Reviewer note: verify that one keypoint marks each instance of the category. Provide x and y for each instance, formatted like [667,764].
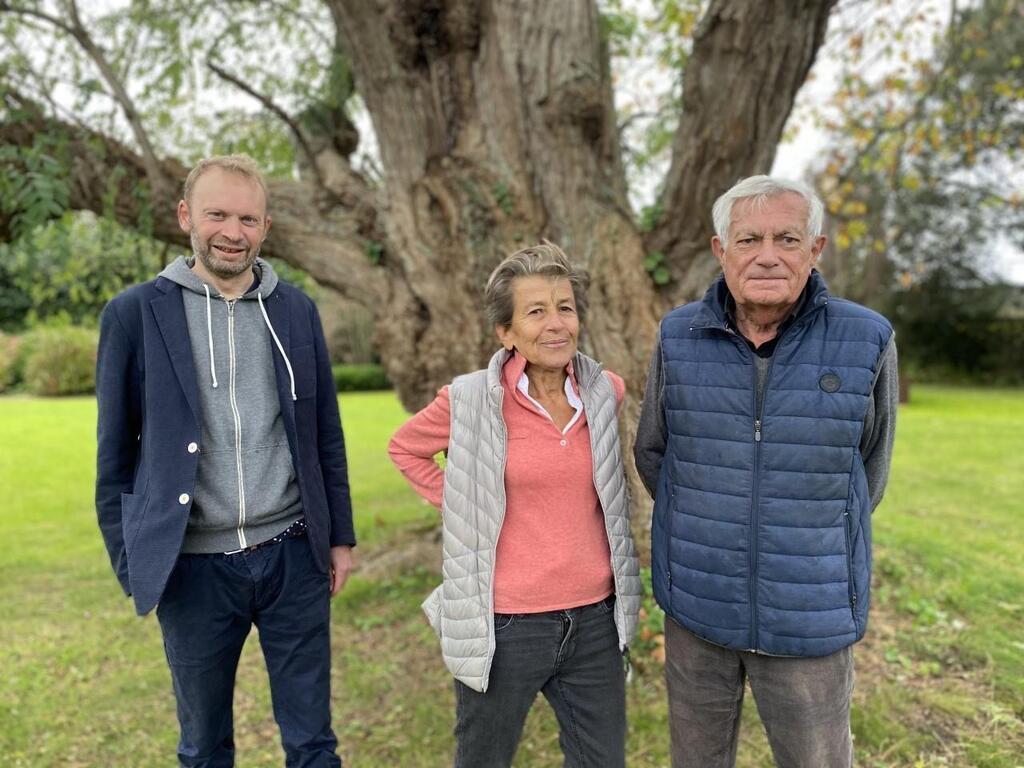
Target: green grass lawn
[940,676]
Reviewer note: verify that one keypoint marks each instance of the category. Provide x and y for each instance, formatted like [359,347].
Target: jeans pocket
[503,621]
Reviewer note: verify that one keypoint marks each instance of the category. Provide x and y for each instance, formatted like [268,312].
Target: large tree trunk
[496,128]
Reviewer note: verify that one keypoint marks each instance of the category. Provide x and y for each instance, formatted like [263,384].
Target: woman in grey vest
[541,587]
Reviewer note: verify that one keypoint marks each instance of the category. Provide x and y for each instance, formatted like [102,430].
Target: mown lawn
[83,681]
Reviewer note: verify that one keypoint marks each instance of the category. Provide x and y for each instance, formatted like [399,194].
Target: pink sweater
[553,549]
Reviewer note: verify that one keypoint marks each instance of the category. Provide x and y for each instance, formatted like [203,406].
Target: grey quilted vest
[461,610]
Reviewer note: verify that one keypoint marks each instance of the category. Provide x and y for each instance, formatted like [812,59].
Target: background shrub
[61,361]
[359,377]
[8,357]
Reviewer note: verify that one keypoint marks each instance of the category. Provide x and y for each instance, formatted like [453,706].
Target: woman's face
[544,325]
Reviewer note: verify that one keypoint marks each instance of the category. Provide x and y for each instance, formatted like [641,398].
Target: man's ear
[817,247]
[718,249]
[184,217]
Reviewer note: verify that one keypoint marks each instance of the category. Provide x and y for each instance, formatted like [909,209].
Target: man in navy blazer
[221,487]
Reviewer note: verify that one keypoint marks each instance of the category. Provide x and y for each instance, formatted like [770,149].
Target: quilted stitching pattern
[767,547]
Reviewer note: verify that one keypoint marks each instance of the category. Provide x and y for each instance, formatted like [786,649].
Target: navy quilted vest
[762,521]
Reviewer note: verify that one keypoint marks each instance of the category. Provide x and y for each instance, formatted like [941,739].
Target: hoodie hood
[180,271]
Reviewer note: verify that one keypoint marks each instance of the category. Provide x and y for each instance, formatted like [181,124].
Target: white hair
[758,189]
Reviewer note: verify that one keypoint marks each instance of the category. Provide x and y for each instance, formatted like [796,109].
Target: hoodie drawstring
[209,336]
[287,362]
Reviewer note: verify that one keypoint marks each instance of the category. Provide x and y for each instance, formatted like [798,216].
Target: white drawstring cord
[209,335]
[287,362]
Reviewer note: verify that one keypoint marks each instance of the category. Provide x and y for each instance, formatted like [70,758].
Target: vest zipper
[851,589]
[758,435]
[233,368]
[755,501]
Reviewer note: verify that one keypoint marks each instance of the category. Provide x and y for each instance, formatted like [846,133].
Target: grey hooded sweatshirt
[246,491]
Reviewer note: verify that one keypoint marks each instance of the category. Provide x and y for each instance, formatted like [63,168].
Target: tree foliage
[67,270]
[927,169]
[924,181]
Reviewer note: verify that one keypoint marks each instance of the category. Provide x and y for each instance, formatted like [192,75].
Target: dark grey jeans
[804,703]
[572,657]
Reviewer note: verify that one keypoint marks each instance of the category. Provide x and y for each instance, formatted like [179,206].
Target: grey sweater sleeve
[880,424]
[651,432]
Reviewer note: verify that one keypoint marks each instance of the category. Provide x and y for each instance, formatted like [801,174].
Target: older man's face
[768,255]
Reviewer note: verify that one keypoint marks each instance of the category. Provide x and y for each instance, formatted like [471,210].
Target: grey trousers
[804,703]
[572,657]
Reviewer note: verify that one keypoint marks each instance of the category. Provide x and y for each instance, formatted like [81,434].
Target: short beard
[216,266]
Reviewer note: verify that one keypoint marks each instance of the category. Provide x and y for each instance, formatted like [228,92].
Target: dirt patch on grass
[410,548]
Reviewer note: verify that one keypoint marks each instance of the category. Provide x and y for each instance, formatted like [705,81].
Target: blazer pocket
[133,510]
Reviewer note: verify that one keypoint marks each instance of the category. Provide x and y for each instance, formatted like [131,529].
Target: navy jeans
[206,612]
[804,703]
[572,657]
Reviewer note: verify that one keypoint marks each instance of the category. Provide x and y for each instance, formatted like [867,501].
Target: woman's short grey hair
[545,260]
[243,165]
[759,189]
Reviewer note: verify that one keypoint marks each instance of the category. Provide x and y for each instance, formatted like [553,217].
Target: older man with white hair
[765,440]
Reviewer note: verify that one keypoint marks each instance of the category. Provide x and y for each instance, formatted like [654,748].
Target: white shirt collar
[523,385]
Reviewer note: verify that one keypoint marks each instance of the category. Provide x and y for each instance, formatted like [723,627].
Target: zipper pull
[757,430]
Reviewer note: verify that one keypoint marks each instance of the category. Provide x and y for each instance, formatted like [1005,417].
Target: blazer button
[192,447]
[183,499]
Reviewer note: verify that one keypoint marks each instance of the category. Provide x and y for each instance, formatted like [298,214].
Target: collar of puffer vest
[581,369]
[712,310]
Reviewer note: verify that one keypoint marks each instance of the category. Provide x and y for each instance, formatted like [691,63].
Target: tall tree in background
[925,182]
[495,123]
[926,170]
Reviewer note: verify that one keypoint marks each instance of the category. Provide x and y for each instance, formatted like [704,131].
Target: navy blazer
[148,401]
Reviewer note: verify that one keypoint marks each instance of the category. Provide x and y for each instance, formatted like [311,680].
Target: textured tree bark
[496,127]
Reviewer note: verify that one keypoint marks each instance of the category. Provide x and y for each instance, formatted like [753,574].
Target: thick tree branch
[748,62]
[105,176]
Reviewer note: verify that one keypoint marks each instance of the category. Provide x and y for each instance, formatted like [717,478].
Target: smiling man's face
[226,219]
[769,253]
